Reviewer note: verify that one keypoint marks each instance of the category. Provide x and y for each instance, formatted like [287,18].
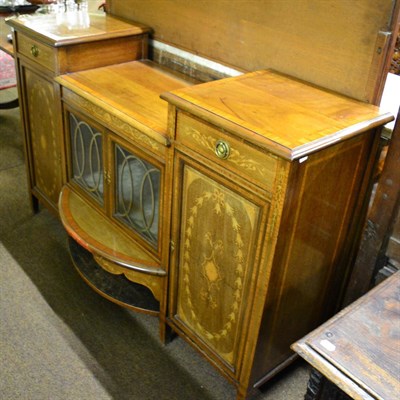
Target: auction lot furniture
[235,213]
[232,207]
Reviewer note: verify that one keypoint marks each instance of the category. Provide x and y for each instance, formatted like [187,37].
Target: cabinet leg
[166,333]
[163,333]
[34,204]
[247,393]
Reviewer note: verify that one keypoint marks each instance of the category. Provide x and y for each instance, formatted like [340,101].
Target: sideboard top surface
[131,90]
[56,31]
[282,114]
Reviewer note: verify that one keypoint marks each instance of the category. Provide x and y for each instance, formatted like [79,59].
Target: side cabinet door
[44,136]
[217,234]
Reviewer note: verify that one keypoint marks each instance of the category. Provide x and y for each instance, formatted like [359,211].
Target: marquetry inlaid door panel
[218,234]
[45,136]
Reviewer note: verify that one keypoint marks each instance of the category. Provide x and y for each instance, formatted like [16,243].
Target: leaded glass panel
[87,161]
[137,193]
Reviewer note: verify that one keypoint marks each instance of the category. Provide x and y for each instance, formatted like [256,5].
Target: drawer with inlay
[246,160]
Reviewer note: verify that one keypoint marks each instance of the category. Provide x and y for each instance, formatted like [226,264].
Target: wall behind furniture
[333,43]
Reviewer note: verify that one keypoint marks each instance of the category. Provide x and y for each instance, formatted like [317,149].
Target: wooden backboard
[338,44]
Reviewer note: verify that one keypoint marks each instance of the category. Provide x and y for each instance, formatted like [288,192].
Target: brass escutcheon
[222,149]
[35,50]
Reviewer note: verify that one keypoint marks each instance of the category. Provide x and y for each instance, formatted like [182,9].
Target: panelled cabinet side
[316,240]
[43,142]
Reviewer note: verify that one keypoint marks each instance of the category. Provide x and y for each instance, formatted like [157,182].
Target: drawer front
[252,164]
[37,52]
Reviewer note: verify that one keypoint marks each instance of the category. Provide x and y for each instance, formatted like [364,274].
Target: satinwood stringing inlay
[217,239]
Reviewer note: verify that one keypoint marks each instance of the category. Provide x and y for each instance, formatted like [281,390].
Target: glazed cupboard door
[44,136]
[216,234]
[116,177]
[137,192]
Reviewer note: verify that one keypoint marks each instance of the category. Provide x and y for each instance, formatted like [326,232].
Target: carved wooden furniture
[45,47]
[358,349]
[259,184]
[236,203]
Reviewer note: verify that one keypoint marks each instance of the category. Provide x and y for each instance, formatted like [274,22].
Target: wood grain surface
[131,90]
[359,348]
[285,115]
[338,44]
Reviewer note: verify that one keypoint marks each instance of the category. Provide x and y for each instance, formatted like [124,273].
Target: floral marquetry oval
[217,250]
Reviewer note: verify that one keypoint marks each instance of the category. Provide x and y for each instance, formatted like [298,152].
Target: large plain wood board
[332,43]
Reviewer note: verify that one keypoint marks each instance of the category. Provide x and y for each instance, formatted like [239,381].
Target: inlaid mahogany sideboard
[229,209]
